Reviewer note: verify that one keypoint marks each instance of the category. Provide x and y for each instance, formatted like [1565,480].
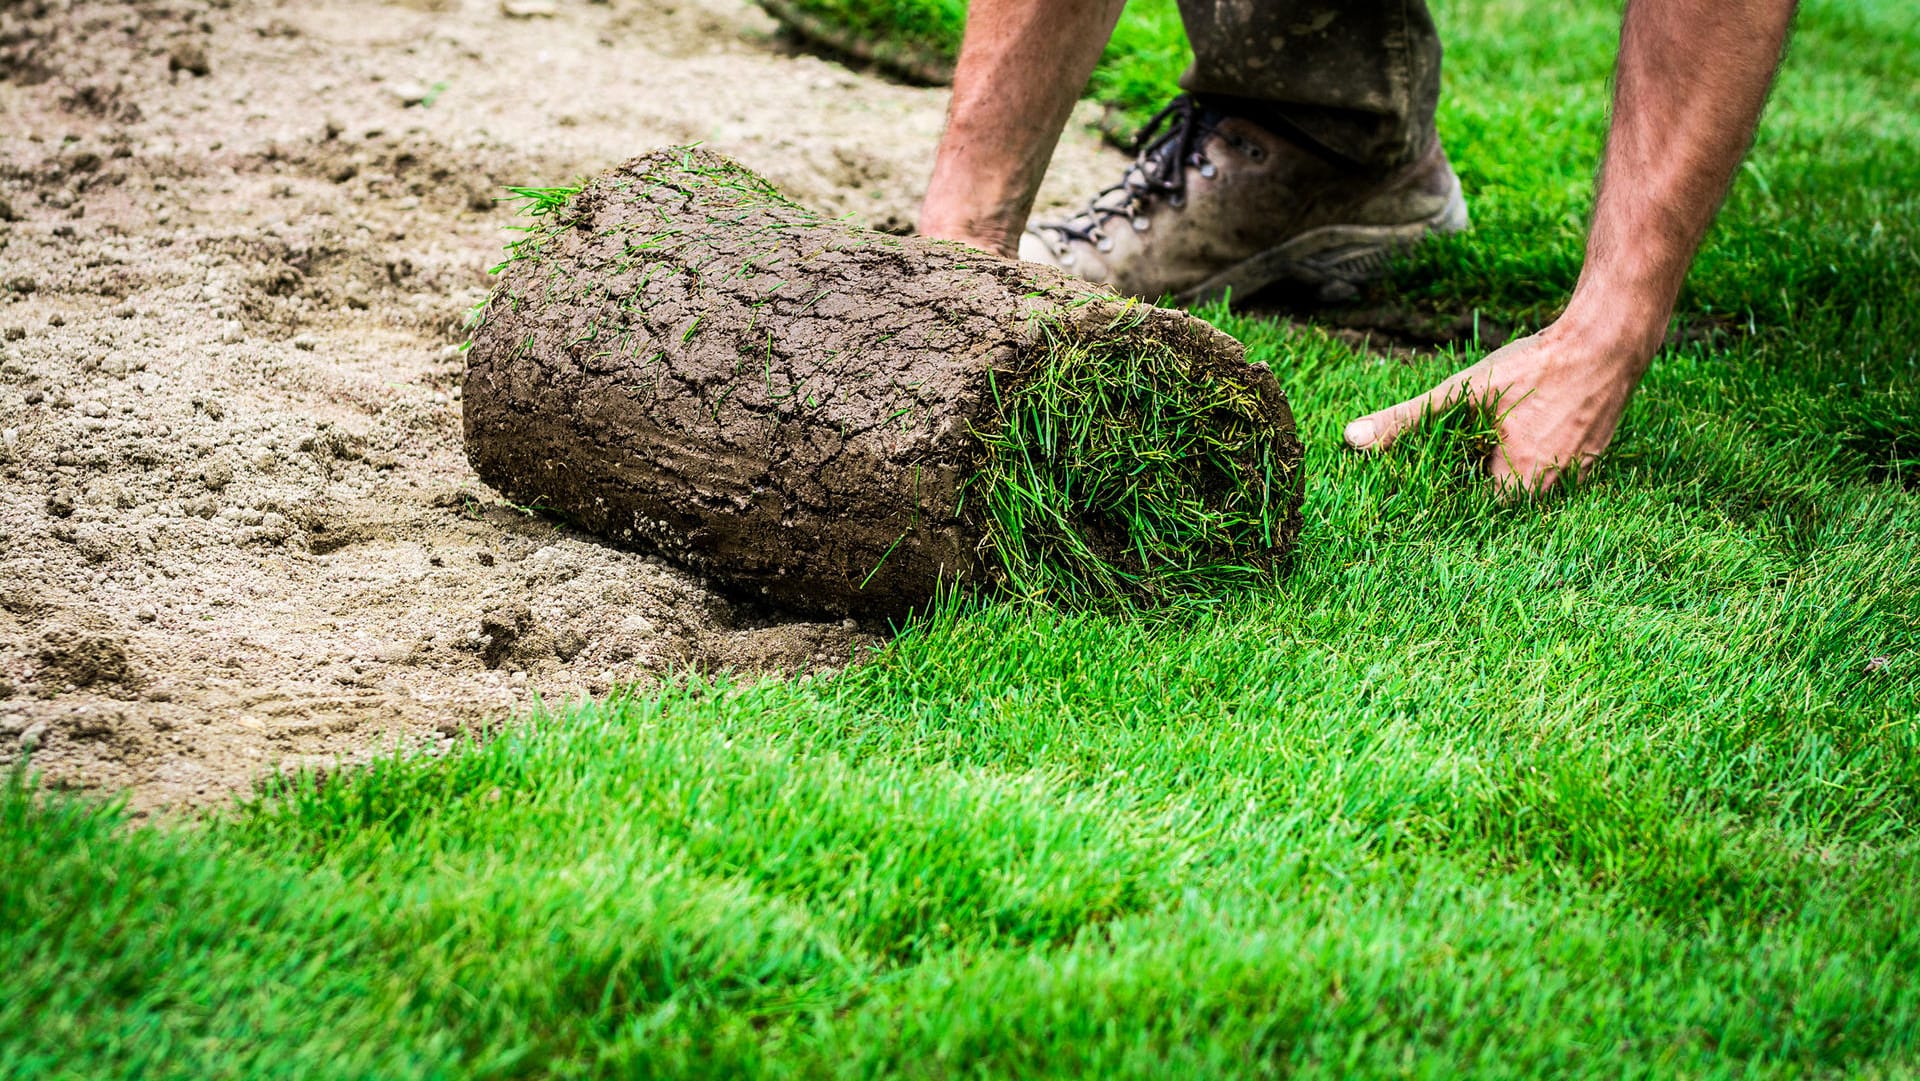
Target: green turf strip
[1118,467]
[1603,788]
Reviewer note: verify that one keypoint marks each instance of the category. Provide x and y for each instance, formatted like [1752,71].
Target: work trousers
[1359,79]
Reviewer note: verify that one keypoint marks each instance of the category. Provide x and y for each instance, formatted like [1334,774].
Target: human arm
[1690,83]
[1022,66]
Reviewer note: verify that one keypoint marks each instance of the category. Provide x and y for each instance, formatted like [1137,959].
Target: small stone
[216,474]
[409,93]
[232,333]
[528,9]
[95,544]
[31,737]
[145,613]
[203,507]
[36,396]
[14,334]
[93,409]
[190,57]
[6,211]
[306,343]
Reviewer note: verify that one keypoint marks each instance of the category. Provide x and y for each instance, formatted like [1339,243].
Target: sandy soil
[237,242]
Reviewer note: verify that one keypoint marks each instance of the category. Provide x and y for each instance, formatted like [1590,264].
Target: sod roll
[679,358]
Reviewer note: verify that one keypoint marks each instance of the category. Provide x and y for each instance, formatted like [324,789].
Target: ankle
[1287,124]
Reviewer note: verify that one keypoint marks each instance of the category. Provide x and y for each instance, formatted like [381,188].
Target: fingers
[1515,479]
[1513,482]
[1552,419]
[1378,431]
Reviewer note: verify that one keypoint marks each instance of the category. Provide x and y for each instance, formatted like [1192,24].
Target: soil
[684,360]
[238,242]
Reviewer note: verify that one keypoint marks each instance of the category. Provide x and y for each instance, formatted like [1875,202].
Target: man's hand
[1557,397]
[1691,79]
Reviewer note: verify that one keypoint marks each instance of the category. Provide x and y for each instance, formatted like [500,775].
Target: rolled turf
[678,357]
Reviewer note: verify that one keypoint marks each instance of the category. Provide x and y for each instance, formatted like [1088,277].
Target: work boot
[1214,202]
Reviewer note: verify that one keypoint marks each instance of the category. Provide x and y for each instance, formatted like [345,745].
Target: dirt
[238,241]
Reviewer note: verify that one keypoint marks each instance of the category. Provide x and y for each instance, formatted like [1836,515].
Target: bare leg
[1691,81]
[1022,66]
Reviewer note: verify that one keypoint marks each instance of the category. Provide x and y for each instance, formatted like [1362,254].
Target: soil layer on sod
[680,358]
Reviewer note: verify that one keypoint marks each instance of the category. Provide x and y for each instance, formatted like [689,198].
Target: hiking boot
[1214,202]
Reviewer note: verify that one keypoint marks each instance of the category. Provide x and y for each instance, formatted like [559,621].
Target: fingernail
[1359,433]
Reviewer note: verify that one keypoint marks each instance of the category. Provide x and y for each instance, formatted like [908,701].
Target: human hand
[1557,397]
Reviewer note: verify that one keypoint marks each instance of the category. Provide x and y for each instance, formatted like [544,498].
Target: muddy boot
[1215,202]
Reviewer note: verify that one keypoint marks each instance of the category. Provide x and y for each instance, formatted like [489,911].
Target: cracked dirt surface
[238,240]
[801,408]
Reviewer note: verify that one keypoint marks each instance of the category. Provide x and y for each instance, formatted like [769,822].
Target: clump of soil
[681,358]
[238,243]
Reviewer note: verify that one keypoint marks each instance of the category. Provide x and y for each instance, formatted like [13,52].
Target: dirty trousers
[1359,79]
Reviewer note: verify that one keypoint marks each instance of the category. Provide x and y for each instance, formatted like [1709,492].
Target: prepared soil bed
[680,358]
[238,243]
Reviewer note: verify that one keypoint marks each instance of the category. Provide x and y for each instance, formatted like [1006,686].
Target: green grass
[1602,787]
[1119,472]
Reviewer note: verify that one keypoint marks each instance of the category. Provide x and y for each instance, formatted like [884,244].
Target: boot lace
[1170,143]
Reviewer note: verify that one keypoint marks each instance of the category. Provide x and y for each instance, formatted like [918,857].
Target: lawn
[1622,784]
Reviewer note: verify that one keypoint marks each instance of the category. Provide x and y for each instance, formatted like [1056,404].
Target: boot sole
[1336,258]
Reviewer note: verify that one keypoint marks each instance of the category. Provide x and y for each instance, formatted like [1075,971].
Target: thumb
[1379,430]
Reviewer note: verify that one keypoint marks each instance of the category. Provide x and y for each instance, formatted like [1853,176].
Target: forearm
[1691,80]
[1022,66]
